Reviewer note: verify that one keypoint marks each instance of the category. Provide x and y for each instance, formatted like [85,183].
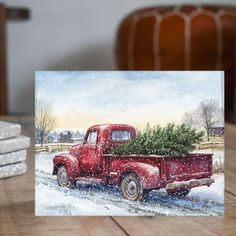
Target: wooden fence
[54,147]
[210,145]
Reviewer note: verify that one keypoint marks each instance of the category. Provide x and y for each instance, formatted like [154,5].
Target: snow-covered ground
[96,199]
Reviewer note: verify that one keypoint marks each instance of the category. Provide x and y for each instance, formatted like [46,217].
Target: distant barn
[217,131]
[76,140]
[48,139]
[65,137]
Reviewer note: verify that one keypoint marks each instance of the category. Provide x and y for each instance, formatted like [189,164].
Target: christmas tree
[172,140]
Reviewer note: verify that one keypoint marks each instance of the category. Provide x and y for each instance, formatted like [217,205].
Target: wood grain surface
[17,207]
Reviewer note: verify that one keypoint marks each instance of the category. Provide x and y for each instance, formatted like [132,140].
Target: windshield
[120,135]
[92,137]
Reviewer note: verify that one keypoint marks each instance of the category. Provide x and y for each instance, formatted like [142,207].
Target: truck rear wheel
[131,188]
[179,193]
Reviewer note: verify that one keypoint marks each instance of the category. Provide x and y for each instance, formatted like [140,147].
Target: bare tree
[189,119]
[209,115]
[45,121]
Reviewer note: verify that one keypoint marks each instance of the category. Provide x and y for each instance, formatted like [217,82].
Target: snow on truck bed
[96,199]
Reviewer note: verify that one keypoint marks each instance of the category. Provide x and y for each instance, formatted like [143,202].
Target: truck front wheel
[131,188]
[62,178]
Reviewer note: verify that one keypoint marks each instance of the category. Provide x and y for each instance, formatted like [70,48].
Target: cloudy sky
[81,99]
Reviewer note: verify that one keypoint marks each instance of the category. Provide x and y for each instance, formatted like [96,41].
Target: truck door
[90,160]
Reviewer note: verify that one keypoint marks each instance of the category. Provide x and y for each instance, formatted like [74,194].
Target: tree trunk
[208,135]
[41,139]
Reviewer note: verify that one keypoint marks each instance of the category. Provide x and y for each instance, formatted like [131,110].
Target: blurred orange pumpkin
[181,38]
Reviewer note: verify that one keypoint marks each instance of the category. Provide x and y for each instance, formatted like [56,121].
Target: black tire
[179,193]
[62,178]
[72,184]
[146,193]
[131,188]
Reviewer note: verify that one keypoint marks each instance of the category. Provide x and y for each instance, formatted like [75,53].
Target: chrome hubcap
[132,188]
[63,177]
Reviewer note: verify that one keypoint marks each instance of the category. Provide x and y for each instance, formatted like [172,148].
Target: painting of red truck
[129,143]
[136,175]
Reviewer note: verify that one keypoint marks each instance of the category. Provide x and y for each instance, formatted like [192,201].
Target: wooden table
[17,207]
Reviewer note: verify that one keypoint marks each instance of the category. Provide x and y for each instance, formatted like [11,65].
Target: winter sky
[82,99]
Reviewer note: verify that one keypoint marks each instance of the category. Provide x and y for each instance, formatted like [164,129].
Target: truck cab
[99,140]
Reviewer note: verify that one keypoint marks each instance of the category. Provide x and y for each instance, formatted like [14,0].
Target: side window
[92,137]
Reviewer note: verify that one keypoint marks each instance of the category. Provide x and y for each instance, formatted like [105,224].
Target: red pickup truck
[137,175]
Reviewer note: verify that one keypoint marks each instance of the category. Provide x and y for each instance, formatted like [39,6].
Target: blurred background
[60,35]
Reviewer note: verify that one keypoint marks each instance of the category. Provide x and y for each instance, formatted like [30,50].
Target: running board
[90,180]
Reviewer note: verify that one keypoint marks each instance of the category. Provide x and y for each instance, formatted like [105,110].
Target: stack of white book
[12,150]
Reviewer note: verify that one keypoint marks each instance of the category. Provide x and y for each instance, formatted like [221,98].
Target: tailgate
[188,167]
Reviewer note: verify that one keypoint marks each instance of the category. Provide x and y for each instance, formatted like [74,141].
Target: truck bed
[181,168]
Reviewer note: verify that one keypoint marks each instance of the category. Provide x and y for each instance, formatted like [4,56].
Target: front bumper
[189,184]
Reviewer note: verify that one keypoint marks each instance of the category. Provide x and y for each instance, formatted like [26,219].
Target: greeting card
[129,143]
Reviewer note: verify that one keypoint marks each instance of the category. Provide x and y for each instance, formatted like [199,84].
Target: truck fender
[70,162]
[148,174]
